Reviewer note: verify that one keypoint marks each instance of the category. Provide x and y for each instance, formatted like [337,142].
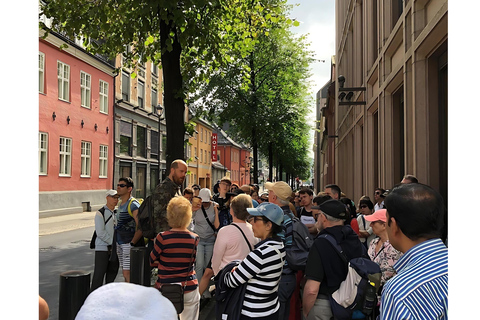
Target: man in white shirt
[378,196]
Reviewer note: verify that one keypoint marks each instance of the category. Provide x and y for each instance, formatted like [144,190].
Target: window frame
[103,103]
[42,152]
[66,154]
[85,90]
[65,96]
[86,159]
[127,98]
[103,161]
[142,96]
[41,72]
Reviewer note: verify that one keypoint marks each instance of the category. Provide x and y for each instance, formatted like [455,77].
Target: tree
[270,102]
[181,34]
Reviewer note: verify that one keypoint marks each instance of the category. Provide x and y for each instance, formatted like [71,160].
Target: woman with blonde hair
[174,254]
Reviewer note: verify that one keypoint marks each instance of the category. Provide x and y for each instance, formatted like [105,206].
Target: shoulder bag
[244,236]
[175,291]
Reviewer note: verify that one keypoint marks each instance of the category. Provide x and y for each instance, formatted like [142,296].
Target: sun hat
[377,215]
[281,189]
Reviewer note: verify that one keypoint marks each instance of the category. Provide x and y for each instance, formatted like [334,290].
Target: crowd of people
[239,236]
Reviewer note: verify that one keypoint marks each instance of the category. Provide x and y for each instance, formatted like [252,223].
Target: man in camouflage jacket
[166,190]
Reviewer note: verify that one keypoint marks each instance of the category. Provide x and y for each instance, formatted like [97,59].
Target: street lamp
[159,109]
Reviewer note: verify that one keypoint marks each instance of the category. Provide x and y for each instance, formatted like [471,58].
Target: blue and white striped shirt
[420,288]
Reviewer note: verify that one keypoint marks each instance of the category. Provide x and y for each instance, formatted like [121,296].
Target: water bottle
[370,298]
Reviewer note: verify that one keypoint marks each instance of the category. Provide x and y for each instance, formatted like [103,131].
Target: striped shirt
[173,251]
[261,270]
[420,288]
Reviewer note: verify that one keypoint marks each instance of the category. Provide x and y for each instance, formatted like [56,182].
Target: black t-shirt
[324,263]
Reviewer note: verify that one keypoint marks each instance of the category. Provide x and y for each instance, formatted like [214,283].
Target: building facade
[199,151]
[386,111]
[75,140]
[140,132]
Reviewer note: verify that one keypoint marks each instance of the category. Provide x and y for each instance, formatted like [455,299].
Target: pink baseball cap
[377,215]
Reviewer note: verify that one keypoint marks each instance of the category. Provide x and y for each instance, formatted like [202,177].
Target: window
[65,157]
[201,134]
[63,75]
[103,97]
[164,147]
[41,72]
[206,159]
[154,69]
[141,94]
[125,86]
[125,138]
[85,89]
[86,159]
[154,147]
[154,98]
[209,157]
[103,162]
[141,142]
[42,152]
[201,155]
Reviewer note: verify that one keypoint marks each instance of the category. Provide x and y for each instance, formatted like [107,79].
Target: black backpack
[357,294]
[145,218]
[301,243]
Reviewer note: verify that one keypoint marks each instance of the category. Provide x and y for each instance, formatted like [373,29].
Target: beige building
[390,117]
[199,151]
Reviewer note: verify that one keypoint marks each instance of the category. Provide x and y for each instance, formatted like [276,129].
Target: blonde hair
[240,204]
[179,212]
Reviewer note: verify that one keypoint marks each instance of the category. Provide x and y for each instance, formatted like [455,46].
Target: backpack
[94,236]
[139,200]
[357,295]
[301,243]
[145,218]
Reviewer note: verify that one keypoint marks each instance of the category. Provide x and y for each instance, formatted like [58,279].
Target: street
[64,246]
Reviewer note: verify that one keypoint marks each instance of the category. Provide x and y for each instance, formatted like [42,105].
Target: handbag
[175,291]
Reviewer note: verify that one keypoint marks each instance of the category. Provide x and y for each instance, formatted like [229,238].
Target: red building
[76,92]
[235,157]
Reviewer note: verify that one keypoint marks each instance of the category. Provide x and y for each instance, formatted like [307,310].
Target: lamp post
[159,109]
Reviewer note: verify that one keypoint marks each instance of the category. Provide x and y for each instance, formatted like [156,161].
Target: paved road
[64,246]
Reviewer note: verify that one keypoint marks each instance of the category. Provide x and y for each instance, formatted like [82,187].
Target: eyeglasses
[255,219]
[121,185]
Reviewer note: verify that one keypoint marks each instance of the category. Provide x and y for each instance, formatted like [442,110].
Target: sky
[317,20]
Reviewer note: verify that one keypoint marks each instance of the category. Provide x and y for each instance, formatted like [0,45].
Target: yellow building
[199,154]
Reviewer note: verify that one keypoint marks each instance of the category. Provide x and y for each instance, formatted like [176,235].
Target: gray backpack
[301,243]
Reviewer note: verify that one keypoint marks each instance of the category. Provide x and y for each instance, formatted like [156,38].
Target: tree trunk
[255,156]
[174,106]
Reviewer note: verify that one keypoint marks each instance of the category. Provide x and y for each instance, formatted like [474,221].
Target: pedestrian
[262,268]
[188,193]
[352,217]
[174,254]
[119,300]
[222,198]
[233,187]
[415,218]
[306,216]
[366,233]
[409,178]
[230,243]
[325,268]
[196,189]
[378,197]
[106,260]
[263,197]
[381,250]
[279,193]
[127,235]
[166,190]
[333,191]
[203,220]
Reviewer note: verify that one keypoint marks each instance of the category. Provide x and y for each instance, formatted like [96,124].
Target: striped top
[261,270]
[173,251]
[420,288]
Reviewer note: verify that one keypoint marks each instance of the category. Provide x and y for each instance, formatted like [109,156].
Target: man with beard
[166,190]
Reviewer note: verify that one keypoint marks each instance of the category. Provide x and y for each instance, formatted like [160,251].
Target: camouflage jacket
[162,195]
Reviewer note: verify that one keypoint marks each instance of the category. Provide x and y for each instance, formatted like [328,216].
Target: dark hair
[367,202]
[307,191]
[351,209]
[418,210]
[411,178]
[382,191]
[334,188]
[128,181]
[318,200]
[188,191]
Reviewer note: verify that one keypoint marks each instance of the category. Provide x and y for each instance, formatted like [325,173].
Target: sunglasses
[363,207]
[378,193]
[121,185]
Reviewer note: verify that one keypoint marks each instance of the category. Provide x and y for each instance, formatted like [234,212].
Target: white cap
[205,194]
[122,300]
[111,193]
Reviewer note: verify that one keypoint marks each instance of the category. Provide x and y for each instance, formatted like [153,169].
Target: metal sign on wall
[214,147]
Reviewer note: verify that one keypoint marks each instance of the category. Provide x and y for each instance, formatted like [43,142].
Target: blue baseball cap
[270,211]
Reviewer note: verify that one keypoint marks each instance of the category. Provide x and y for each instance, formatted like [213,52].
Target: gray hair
[332,219]
[283,202]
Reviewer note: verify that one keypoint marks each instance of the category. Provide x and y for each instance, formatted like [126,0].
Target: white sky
[317,19]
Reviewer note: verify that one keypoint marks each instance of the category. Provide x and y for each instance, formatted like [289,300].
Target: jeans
[286,287]
[204,255]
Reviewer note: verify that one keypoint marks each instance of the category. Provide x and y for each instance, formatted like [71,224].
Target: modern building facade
[75,140]
[390,117]
[140,132]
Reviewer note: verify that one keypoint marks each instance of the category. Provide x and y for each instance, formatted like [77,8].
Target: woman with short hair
[174,254]
[262,268]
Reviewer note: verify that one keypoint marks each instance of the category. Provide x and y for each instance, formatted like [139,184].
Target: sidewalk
[68,222]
